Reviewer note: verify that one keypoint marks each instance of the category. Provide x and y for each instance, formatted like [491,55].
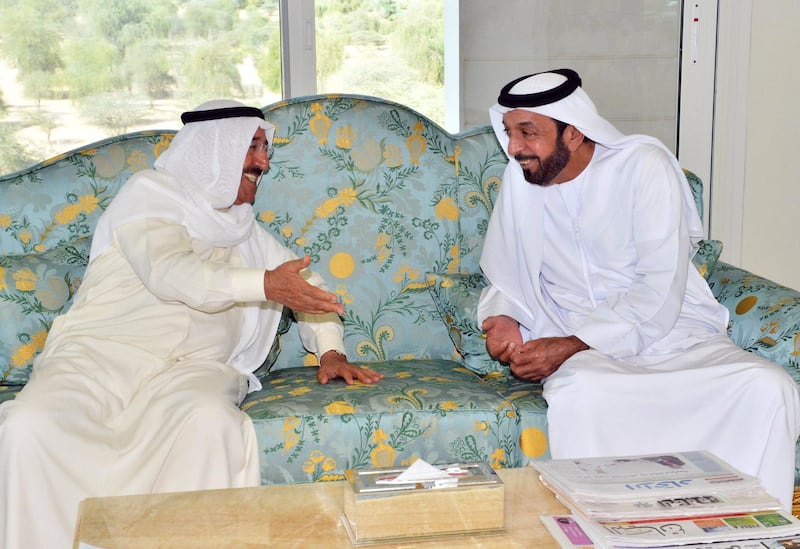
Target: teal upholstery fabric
[8,392]
[370,190]
[706,257]
[34,289]
[393,211]
[47,215]
[764,315]
[430,409]
[456,298]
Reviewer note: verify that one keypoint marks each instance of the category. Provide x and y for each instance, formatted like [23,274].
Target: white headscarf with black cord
[194,183]
[558,95]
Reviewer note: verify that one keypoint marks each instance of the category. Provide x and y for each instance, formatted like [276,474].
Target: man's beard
[549,167]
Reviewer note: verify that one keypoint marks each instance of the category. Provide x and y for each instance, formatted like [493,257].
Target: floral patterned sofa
[392,210]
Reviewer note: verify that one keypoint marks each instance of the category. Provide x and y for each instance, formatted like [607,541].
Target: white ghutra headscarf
[194,183]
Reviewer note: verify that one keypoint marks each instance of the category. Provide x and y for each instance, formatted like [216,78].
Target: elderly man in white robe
[592,290]
[137,389]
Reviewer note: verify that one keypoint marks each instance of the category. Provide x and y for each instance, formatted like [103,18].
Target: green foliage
[419,37]
[268,63]
[187,51]
[147,67]
[13,154]
[208,18]
[210,71]
[36,55]
[90,67]
[114,111]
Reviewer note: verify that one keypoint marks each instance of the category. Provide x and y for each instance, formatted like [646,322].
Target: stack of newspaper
[691,500]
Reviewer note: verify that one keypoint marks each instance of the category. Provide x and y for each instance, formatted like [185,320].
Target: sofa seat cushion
[431,409]
[527,399]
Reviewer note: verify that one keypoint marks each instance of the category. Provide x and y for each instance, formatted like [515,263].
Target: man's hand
[333,365]
[503,337]
[286,286]
[538,358]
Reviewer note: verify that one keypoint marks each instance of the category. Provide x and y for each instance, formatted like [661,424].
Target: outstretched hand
[286,285]
[333,365]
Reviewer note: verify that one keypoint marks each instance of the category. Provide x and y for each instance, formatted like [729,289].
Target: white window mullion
[298,48]
[698,68]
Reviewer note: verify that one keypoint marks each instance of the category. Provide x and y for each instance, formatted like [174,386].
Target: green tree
[267,60]
[13,154]
[114,111]
[30,39]
[419,39]
[208,18]
[90,67]
[120,22]
[147,65]
[210,71]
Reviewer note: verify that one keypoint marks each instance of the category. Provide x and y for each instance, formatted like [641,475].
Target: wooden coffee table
[292,515]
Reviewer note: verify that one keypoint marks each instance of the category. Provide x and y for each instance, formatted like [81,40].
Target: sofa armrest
[765,316]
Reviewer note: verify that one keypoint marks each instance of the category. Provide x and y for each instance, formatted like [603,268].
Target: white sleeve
[161,254]
[493,302]
[320,333]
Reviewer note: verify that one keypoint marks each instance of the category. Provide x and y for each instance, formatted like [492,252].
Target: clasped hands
[286,285]
[532,360]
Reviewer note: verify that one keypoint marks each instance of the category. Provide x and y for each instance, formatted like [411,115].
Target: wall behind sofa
[770,220]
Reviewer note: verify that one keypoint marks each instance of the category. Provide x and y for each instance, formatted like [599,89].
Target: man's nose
[262,160]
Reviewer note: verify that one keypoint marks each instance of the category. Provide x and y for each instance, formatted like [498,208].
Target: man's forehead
[522,117]
[260,135]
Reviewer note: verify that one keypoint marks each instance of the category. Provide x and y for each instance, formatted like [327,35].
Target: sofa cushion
[430,409]
[706,257]
[34,289]
[456,299]
[763,315]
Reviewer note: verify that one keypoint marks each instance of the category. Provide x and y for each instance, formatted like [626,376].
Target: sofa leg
[796,502]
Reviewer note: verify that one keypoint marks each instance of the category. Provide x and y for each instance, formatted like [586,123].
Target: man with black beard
[592,291]
[138,386]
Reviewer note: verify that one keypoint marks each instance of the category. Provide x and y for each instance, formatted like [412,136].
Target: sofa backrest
[379,197]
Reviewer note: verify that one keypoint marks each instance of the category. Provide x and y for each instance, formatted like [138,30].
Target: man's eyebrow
[528,124]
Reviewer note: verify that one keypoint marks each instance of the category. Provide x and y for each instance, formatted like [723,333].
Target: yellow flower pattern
[26,352]
[25,280]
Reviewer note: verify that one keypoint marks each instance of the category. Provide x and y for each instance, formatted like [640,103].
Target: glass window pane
[96,68]
[392,49]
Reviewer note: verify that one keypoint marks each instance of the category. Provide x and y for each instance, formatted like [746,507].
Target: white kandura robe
[133,392]
[595,257]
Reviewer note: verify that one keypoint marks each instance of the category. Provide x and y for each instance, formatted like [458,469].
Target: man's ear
[573,138]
